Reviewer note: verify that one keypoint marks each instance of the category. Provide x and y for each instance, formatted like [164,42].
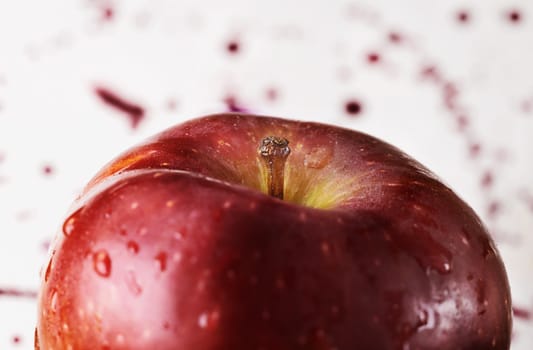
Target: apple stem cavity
[274,152]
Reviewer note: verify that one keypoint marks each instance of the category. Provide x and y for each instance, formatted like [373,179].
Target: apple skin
[173,245]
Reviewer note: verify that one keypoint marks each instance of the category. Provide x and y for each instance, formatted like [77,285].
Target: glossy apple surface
[177,245]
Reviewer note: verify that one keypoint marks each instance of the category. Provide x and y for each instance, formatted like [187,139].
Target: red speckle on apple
[102,263]
[161,261]
[133,247]
[133,111]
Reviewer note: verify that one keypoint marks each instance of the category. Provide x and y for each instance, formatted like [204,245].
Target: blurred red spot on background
[474,150]
[108,13]
[373,57]
[395,37]
[493,209]
[48,170]
[233,47]
[353,107]
[487,179]
[514,16]
[463,16]
[172,104]
[272,94]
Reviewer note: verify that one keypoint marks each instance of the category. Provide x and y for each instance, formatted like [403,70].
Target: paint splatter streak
[133,111]
[17,293]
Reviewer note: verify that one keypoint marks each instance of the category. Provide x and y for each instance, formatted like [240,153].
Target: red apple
[212,236]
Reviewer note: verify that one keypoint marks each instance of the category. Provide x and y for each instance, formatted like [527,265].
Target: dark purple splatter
[521,313]
[233,47]
[353,107]
[134,112]
[373,57]
[514,16]
[234,105]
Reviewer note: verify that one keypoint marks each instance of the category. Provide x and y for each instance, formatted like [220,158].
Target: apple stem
[274,152]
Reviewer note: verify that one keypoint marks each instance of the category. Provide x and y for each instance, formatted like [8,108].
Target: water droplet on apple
[102,263]
[48,269]
[423,317]
[133,247]
[53,300]
[208,319]
[445,268]
[161,260]
[69,224]
[202,320]
[465,237]
[132,283]
[318,157]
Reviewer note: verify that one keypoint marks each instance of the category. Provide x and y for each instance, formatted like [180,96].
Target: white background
[170,57]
